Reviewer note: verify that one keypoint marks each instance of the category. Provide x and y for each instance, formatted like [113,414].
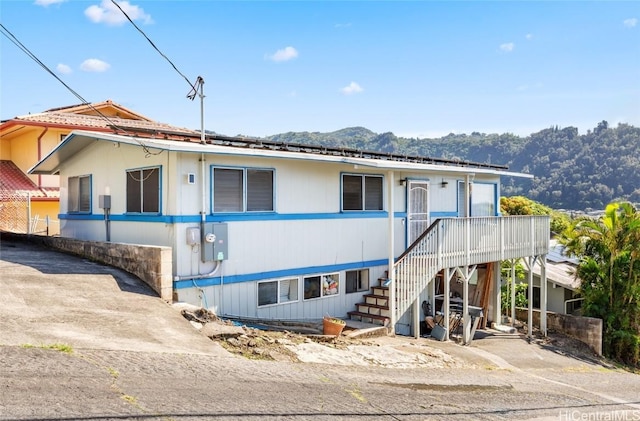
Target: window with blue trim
[143,190]
[243,190]
[361,192]
[79,199]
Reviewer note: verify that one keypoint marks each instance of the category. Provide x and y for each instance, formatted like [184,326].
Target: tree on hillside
[520,205]
[609,249]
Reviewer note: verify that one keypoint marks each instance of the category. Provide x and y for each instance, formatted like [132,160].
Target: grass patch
[114,373]
[130,399]
[67,349]
[355,392]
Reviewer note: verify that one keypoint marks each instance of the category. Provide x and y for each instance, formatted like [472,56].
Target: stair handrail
[483,239]
[418,240]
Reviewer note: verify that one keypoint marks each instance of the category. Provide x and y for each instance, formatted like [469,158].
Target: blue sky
[414,68]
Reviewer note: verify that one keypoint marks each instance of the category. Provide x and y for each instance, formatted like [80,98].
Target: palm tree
[609,248]
[603,239]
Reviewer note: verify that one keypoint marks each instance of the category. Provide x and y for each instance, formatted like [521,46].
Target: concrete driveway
[49,297]
[135,357]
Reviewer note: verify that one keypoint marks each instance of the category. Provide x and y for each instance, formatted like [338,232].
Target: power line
[194,89]
[21,46]
[9,35]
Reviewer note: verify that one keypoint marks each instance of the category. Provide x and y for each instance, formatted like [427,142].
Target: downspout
[46,129]
[391,257]
[203,169]
[467,194]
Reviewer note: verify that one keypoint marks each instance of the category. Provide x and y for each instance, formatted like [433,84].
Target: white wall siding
[274,245]
[443,199]
[241,300]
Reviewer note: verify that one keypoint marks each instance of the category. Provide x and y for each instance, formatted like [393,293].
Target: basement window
[79,199]
[357,280]
[321,286]
[277,292]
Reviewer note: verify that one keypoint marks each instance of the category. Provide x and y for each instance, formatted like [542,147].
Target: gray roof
[79,139]
[560,267]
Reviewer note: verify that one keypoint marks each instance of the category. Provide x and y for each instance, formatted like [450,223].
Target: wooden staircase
[450,243]
[375,308]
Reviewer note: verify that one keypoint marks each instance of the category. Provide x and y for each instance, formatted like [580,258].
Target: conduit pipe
[203,168]
[46,129]
[199,276]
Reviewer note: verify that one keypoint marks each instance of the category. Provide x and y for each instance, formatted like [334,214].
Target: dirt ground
[383,351]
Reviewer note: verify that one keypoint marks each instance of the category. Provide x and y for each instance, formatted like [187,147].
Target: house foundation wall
[584,329]
[152,264]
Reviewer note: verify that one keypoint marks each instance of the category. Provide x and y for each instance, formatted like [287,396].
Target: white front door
[417,209]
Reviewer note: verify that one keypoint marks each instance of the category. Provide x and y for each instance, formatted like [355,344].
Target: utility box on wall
[214,242]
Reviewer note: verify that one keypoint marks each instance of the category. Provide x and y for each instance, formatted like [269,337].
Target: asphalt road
[81,341]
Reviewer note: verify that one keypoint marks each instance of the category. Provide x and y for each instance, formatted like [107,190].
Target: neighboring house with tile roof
[26,139]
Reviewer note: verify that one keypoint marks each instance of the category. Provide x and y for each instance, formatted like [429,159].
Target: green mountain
[571,171]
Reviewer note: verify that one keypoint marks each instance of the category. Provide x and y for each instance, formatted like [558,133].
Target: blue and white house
[277,231]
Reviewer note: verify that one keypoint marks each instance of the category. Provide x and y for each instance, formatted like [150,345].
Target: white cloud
[630,23]
[352,88]
[529,37]
[63,68]
[109,13]
[46,3]
[507,47]
[285,54]
[94,65]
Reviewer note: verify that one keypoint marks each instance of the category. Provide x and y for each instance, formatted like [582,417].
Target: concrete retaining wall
[153,265]
[584,329]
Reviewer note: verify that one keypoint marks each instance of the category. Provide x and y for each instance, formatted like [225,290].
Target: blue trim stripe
[230,217]
[81,216]
[449,214]
[251,277]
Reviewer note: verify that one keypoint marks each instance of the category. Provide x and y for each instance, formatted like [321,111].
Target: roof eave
[78,139]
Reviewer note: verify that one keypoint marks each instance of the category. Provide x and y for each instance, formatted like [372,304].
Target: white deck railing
[455,242]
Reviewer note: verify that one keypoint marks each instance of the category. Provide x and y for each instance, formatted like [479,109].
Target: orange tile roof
[98,116]
[71,120]
[14,182]
[94,107]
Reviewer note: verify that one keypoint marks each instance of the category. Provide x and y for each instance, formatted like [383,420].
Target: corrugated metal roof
[560,267]
[79,139]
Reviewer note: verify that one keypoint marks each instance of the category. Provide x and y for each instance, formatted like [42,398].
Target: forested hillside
[572,171]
